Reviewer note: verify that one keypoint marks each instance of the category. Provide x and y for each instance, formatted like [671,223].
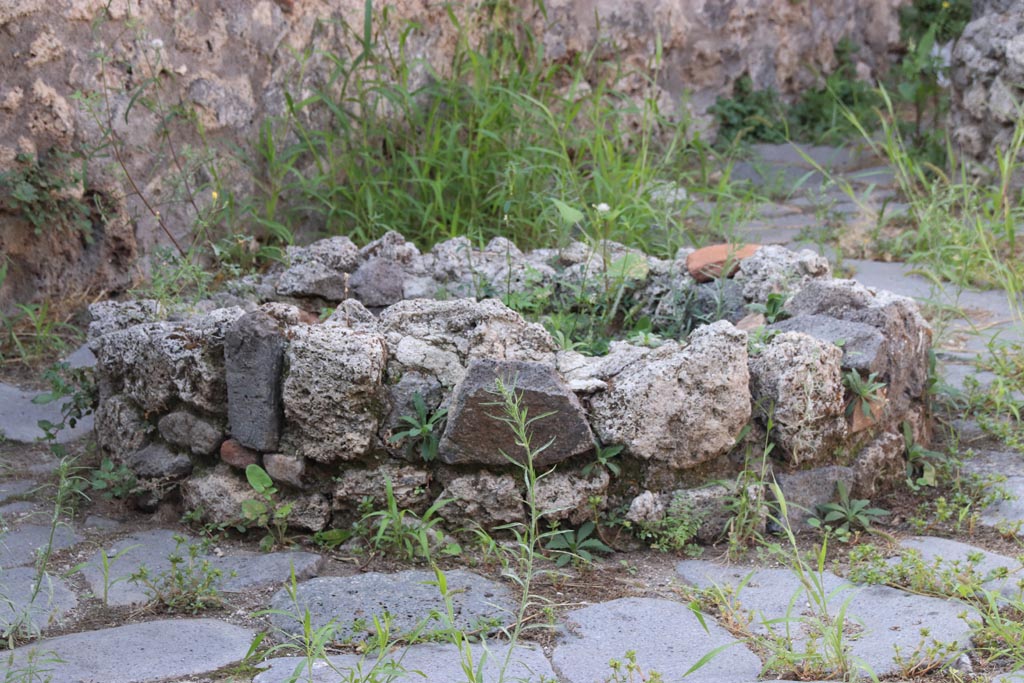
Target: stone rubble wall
[233,61]
[987,75]
[189,398]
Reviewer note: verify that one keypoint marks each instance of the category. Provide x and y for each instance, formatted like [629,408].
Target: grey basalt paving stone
[18,546]
[18,508]
[14,488]
[1009,464]
[153,548]
[878,618]
[666,636]
[952,554]
[19,417]
[407,597]
[427,663]
[17,603]
[138,653]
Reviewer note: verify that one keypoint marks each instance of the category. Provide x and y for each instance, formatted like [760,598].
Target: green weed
[47,193]
[677,530]
[864,392]
[576,546]
[113,481]
[403,533]
[486,150]
[847,517]
[629,671]
[423,429]
[189,585]
[266,511]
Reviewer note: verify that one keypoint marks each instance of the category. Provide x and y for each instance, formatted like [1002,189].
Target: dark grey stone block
[863,346]
[474,435]
[253,358]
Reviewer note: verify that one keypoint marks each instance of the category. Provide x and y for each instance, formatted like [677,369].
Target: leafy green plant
[815,612]
[424,429]
[750,115]
[45,191]
[864,392]
[947,18]
[677,530]
[520,563]
[35,331]
[266,511]
[629,671]
[773,309]
[188,585]
[312,646]
[745,503]
[922,463]
[846,516]
[175,278]
[578,546]
[35,667]
[114,481]
[820,115]
[605,458]
[402,532]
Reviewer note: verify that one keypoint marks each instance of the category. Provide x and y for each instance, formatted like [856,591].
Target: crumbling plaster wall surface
[233,61]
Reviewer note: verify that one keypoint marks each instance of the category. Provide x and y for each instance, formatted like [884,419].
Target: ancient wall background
[73,71]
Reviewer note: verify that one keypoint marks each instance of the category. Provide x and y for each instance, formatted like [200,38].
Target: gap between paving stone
[427,663]
[406,597]
[153,548]
[666,636]
[137,653]
[884,617]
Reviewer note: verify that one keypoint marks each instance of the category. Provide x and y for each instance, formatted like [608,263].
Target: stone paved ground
[95,629]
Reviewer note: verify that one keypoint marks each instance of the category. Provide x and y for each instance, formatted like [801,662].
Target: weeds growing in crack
[311,645]
[801,644]
[521,568]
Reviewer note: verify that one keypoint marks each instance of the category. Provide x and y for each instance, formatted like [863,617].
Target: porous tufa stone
[679,405]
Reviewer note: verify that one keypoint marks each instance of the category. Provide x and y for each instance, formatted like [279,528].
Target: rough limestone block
[437,338]
[160,363]
[677,405]
[907,334]
[483,498]
[253,361]
[334,397]
[121,428]
[796,381]
[474,436]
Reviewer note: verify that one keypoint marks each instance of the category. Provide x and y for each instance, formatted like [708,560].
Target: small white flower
[157,44]
[603,208]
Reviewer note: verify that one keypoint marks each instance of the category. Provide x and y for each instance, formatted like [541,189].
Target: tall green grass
[482,149]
